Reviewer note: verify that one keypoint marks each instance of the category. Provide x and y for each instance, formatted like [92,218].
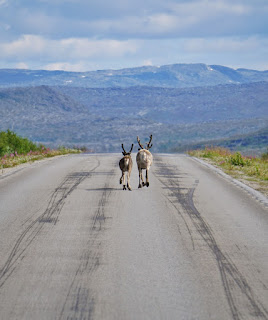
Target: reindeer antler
[148,144]
[124,151]
[139,142]
[131,148]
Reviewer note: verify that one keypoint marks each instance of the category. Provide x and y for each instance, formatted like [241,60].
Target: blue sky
[84,35]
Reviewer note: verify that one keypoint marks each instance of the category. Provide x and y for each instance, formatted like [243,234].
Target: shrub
[11,143]
[237,160]
[15,150]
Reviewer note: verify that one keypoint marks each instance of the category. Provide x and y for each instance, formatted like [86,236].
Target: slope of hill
[251,144]
[35,111]
[176,106]
[38,99]
[176,75]
[101,119]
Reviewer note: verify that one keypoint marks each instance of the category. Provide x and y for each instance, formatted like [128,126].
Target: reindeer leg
[140,178]
[121,179]
[147,178]
[143,184]
[128,181]
[124,181]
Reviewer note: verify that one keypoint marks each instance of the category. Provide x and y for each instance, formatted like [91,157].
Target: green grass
[251,170]
[11,143]
[12,160]
[15,150]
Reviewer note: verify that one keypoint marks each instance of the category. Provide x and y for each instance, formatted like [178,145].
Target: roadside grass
[14,159]
[253,171]
[16,150]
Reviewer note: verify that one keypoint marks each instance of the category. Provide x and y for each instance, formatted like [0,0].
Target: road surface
[74,245]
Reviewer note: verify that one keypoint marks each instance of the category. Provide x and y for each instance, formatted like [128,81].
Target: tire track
[50,215]
[80,299]
[234,283]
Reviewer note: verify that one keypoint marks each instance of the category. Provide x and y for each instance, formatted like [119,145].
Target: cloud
[3,2]
[193,19]
[234,52]
[36,47]
[80,54]
[147,62]
[26,46]
[21,65]
[66,66]
[127,19]
[80,34]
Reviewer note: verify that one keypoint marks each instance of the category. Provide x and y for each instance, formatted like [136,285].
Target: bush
[238,160]
[11,143]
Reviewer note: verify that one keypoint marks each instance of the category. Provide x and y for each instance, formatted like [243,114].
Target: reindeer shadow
[103,189]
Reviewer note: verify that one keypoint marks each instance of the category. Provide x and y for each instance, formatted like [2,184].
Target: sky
[85,35]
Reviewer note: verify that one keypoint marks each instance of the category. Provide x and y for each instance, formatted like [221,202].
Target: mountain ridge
[103,118]
[173,76]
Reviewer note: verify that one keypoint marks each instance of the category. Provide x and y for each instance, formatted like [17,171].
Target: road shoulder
[245,185]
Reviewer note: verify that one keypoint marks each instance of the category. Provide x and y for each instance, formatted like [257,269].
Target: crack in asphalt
[232,279]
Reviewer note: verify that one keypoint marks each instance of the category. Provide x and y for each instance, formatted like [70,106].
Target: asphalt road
[74,245]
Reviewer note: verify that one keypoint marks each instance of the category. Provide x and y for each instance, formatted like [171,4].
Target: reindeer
[144,160]
[125,165]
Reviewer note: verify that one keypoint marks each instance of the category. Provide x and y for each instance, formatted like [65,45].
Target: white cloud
[79,66]
[125,19]
[85,48]
[82,35]
[3,2]
[137,26]
[21,65]
[26,46]
[186,18]
[84,54]
[235,52]
[163,22]
[147,62]
[36,47]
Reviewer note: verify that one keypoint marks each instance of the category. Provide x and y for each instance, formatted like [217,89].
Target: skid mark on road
[239,294]
[100,218]
[50,215]
[80,299]
[60,194]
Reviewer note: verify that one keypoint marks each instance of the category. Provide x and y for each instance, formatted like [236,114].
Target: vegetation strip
[252,171]
[15,150]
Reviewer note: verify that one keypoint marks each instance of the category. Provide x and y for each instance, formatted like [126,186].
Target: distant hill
[176,106]
[250,144]
[101,119]
[169,76]
[35,112]
[37,100]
